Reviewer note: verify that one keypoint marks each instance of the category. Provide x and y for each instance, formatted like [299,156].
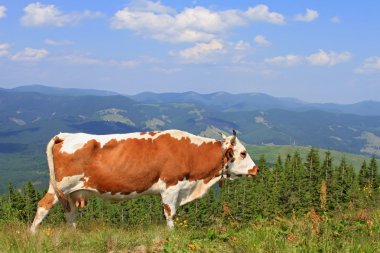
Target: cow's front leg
[169,201]
[43,208]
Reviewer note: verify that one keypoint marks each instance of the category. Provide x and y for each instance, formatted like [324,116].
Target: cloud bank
[37,14]
[197,24]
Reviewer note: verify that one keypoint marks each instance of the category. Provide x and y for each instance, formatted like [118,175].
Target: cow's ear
[229,154]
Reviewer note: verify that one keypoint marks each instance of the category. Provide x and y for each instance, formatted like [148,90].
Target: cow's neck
[201,187]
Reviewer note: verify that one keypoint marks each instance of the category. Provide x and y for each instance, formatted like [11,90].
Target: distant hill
[255,101]
[42,89]
[224,101]
[361,108]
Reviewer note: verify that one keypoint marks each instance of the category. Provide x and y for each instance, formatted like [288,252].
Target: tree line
[291,186]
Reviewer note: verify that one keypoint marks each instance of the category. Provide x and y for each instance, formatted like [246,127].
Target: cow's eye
[243,154]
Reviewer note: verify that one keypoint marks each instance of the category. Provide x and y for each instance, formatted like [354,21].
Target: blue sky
[317,51]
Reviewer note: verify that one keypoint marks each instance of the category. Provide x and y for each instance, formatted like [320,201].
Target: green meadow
[351,231]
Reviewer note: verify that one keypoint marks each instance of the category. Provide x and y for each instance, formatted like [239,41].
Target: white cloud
[58,42]
[166,70]
[3,11]
[238,52]
[242,45]
[335,20]
[261,13]
[197,24]
[328,58]
[37,14]
[4,49]
[148,6]
[321,58]
[309,16]
[127,63]
[370,65]
[30,54]
[262,41]
[288,60]
[82,59]
[202,52]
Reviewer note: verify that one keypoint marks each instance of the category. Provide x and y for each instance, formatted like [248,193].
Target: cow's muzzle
[252,172]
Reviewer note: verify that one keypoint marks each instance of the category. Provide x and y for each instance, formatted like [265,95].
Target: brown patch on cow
[253,171]
[134,165]
[47,201]
[152,133]
[167,210]
[142,133]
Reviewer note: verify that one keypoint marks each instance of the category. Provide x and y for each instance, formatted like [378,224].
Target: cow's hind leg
[169,201]
[43,208]
[72,214]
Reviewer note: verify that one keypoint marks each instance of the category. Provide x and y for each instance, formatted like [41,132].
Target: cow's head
[239,162]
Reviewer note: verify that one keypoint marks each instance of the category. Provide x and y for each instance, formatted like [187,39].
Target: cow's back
[134,162]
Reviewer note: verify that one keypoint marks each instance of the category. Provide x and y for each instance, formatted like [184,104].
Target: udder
[80,197]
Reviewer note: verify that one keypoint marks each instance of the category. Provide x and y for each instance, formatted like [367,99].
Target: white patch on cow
[192,190]
[75,141]
[71,183]
[40,215]
[197,140]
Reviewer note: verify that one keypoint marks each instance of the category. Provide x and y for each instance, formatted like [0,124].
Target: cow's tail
[50,158]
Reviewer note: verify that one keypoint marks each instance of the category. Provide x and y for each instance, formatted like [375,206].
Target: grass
[352,231]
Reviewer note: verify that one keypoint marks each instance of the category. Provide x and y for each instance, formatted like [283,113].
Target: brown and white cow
[177,165]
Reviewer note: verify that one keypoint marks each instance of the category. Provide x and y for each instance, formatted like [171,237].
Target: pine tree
[275,187]
[15,201]
[373,173]
[327,170]
[300,186]
[30,198]
[287,181]
[313,170]
[343,183]
[364,175]
[353,191]
[262,189]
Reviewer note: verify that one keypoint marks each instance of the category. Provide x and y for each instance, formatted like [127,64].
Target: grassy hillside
[349,232]
[271,152]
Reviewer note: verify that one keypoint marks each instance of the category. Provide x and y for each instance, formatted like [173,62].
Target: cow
[175,164]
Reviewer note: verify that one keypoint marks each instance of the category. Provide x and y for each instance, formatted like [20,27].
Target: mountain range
[223,101]
[31,115]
